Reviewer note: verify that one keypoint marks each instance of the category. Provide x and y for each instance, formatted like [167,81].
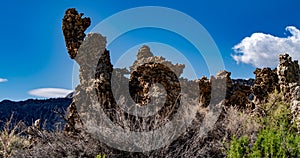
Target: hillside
[32,109]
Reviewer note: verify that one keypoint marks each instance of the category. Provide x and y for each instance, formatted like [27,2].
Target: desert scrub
[270,143]
[11,139]
[239,147]
[100,156]
[277,137]
[239,123]
[274,143]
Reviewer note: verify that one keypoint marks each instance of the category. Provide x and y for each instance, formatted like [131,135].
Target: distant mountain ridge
[48,110]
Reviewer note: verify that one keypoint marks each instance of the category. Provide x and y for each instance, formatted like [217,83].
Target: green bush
[278,137]
[239,147]
[274,143]
[269,143]
[100,156]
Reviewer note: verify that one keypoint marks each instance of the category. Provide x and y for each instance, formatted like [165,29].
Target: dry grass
[191,143]
[239,123]
[11,139]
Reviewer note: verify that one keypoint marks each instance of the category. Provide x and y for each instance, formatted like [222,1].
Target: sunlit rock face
[147,70]
[288,75]
[295,107]
[149,74]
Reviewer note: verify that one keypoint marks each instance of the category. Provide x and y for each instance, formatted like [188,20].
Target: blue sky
[33,53]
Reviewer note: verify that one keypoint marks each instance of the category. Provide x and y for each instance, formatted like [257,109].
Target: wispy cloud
[3,80]
[49,92]
[262,50]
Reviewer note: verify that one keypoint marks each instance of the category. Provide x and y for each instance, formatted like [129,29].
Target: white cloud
[49,92]
[3,80]
[262,50]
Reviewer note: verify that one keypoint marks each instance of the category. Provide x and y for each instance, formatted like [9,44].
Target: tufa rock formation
[266,82]
[149,72]
[73,26]
[144,55]
[284,79]
[287,70]
[143,77]
[295,107]
[73,120]
[237,93]
[288,75]
[205,91]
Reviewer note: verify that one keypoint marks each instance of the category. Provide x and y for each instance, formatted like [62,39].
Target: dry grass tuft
[11,138]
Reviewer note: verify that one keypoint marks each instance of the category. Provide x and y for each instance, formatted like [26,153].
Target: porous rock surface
[266,82]
[283,79]
[73,26]
[236,92]
[144,56]
[148,70]
[288,74]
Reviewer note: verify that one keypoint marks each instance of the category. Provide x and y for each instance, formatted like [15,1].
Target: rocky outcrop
[148,72]
[266,82]
[287,70]
[237,93]
[295,107]
[74,122]
[73,26]
[144,55]
[205,91]
[94,73]
[288,75]
[283,79]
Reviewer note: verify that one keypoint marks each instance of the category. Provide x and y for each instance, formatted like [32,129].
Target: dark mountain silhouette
[50,111]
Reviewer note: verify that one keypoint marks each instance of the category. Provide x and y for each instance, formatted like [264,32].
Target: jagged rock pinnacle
[144,52]
[73,26]
[145,55]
